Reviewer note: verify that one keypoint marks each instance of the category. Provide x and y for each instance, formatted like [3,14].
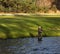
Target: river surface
[48,45]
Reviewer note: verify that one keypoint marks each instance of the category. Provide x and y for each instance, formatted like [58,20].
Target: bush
[54,8]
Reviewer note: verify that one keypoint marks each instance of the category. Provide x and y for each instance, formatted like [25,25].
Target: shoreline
[1,14]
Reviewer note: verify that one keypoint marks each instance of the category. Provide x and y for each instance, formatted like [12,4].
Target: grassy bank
[26,26]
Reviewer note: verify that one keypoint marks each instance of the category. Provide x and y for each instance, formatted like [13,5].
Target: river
[48,45]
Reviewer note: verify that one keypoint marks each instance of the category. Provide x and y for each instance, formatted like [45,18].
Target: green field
[26,26]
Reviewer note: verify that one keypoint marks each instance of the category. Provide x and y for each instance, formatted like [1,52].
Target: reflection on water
[49,45]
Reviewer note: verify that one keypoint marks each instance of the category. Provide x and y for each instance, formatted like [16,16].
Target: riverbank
[27,14]
[16,26]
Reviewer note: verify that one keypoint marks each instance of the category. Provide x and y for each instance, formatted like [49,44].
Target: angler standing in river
[39,33]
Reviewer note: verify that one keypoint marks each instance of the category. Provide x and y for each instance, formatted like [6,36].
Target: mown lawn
[26,26]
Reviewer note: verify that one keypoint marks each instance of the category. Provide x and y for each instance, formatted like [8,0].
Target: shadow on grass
[53,20]
[6,31]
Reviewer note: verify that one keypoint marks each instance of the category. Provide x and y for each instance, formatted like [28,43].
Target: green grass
[26,26]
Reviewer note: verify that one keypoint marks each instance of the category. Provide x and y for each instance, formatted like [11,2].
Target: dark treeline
[28,6]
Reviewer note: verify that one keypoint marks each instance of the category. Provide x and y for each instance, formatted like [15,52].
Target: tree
[44,5]
[27,5]
[57,2]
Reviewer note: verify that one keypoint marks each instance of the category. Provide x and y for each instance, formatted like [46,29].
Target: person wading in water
[39,33]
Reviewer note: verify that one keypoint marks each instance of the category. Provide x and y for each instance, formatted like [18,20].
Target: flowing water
[48,45]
